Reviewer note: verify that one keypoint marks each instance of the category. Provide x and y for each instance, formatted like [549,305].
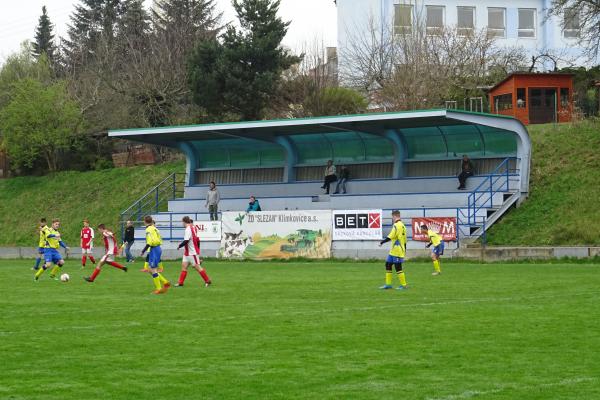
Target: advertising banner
[357,225]
[276,234]
[208,231]
[445,226]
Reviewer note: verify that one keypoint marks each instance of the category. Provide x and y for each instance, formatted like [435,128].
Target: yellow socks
[388,278]
[146,266]
[162,279]
[40,272]
[156,280]
[55,271]
[436,266]
[402,278]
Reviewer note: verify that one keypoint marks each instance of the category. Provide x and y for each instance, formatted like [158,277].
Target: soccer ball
[65,278]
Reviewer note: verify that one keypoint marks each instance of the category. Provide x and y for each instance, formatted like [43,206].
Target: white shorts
[192,260]
[108,258]
[87,251]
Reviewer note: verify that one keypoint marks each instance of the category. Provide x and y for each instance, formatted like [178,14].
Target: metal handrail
[150,203]
[490,181]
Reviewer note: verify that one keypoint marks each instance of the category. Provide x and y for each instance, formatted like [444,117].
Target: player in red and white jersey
[111,250]
[87,243]
[191,253]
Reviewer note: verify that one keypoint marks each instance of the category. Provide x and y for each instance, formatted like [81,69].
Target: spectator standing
[343,178]
[253,205]
[128,240]
[330,176]
[212,201]
[467,170]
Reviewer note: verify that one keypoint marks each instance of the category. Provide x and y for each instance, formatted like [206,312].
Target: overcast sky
[18,18]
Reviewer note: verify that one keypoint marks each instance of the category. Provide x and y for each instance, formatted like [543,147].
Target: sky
[311,20]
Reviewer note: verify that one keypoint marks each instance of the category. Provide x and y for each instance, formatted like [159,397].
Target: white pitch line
[476,393]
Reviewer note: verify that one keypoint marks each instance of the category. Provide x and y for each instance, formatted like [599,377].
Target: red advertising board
[446,227]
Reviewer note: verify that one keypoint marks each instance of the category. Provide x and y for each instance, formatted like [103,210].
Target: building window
[466,20]
[503,102]
[571,23]
[496,22]
[435,19]
[527,22]
[402,18]
[521,98]
[564,98]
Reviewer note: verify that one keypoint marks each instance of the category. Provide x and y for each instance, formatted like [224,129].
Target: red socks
[204,276]
[115,264]
[182,277]
[94,274]
[84,259]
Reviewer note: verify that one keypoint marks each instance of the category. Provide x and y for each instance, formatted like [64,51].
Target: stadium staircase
[486,199]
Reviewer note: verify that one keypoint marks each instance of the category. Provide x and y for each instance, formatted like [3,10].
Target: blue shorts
[394,260]
[154,256]
[438,250]
[52,256]
[41,250]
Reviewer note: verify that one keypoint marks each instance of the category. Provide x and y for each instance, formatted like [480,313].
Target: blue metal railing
[483,195]
[155,200]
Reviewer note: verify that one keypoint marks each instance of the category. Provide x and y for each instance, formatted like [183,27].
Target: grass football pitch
[303,331]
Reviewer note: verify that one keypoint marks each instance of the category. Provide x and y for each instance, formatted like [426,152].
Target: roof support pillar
[291,157]
[191,162]
[399,152]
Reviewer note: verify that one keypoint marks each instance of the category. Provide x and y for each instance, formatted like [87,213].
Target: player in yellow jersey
[397,253]
[51,253]
[42,228]
[146,268]
[153,242]
[436,241]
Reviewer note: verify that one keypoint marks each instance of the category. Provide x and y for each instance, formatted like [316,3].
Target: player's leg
[183,274]
[97,270]
[400,272]
[58,264]
[38,260]
[202,271]
[388,273]
[47,264]
[110,260]
[436,262]
[154,261]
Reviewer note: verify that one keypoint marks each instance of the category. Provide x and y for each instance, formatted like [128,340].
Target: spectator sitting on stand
[329,176]
[343,178]
[253,205]
[467,170]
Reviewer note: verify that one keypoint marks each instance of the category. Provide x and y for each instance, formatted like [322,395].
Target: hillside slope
[72,196]
[563,206]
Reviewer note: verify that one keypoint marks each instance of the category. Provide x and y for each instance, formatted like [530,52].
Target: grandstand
[406,161]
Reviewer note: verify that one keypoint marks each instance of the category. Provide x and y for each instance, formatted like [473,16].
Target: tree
[93,24]
[44,38]
[422,69]
[39,123]
[240,75]
[581,15]
[336,101]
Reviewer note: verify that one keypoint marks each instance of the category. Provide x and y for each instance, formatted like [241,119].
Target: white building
[520,23]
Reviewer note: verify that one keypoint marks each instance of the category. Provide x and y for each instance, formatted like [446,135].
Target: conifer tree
[44,38]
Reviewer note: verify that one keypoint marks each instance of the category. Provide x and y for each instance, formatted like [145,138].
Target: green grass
[304,331]
[562,208]
[72,196]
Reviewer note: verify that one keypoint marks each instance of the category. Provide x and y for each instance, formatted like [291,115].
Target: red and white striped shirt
[110,242]
[192,248]
[87,238]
